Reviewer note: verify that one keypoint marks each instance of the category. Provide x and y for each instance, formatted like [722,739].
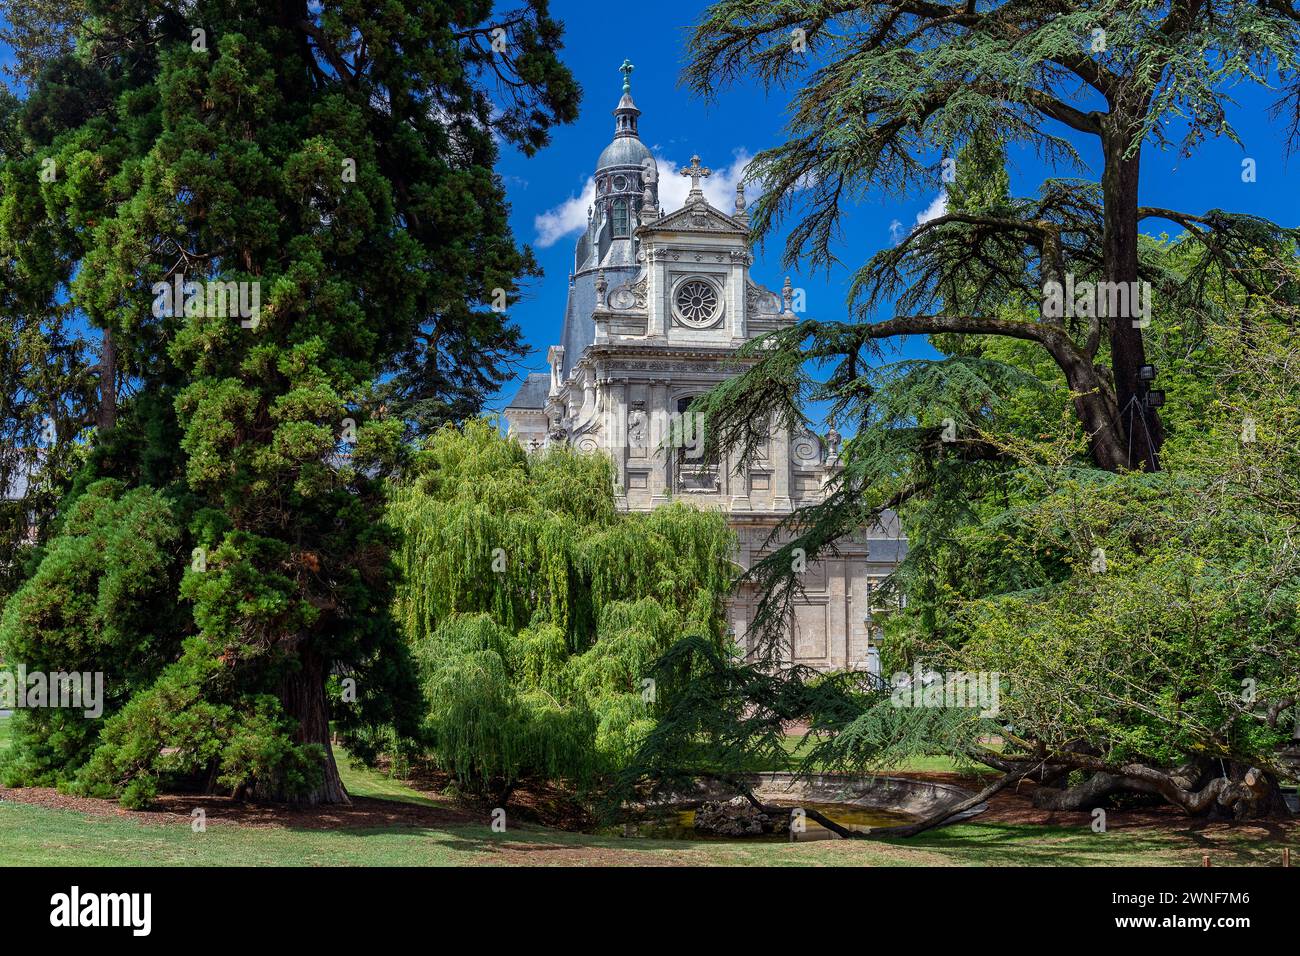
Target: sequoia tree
[887,90]
[272,208]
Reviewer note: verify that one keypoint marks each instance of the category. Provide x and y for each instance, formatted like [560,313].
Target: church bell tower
[659,301]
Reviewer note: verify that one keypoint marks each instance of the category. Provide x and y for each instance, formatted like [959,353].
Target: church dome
[627,193]
[624,151]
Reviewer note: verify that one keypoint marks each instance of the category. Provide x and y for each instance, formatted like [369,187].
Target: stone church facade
[659,301]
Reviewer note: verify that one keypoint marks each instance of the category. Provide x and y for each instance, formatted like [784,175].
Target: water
[680,824]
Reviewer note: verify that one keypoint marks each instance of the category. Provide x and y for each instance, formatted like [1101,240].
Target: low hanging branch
[938,818]
[1249,790]
[947,813]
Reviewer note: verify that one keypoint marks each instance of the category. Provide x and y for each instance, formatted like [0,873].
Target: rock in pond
[737,817]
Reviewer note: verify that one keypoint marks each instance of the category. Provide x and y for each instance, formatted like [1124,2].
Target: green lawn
[793,744]
[39,836]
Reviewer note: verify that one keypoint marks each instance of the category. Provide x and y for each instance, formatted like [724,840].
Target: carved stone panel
[630,296]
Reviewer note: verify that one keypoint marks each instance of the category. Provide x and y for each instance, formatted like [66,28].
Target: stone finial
[601,286]
[787,294]
[833,439]
[648,213]
[740,201]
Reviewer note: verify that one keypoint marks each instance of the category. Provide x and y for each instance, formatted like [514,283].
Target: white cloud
[568,217]
[719,188]
[938,207]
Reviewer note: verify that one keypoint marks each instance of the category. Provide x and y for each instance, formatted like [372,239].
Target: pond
[680,824]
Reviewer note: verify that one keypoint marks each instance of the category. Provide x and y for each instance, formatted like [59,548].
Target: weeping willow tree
[535,609]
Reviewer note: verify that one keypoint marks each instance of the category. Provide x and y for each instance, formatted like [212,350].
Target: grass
[935,764]
[363,782]
[38,836]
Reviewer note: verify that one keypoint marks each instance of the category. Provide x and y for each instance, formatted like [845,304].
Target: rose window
[697,302]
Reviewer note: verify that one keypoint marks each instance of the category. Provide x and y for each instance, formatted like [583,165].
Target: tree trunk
[107,416]
[1198,788]
[1139,425]
[303,697]
[1094,404]
[1093,792]
[961,806]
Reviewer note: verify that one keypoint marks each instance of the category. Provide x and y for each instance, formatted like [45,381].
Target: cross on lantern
[626,69]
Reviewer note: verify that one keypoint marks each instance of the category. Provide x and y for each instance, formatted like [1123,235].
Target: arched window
[620,217]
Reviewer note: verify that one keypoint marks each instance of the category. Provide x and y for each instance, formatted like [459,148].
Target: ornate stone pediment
[698,217]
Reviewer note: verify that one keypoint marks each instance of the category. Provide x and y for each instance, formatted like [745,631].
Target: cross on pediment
[696,172]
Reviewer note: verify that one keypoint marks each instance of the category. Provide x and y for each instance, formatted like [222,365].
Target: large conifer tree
[885,92]
[334,162]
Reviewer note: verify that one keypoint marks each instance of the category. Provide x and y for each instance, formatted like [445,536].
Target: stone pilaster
[660,474]
[781,465]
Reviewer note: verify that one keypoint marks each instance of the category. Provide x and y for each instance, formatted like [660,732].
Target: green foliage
[726,718]
[1181,645]
[1184,642]
[101,600]
[980,181]
[1008,461]
[882,90]
[173,731]
[47,387]
[484,728]
[535,610]
[37,31]
[886,95]
[351,183]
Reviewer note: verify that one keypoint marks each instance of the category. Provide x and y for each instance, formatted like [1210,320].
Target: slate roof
[532,393]
[624,151]
[579,330]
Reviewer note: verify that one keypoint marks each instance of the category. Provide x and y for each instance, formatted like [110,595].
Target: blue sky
[545,191]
